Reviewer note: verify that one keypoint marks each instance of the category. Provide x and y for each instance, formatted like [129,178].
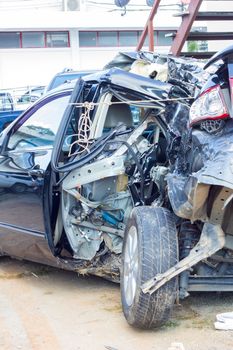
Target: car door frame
[40,242]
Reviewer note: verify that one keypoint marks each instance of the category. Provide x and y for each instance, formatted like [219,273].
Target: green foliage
[193,46]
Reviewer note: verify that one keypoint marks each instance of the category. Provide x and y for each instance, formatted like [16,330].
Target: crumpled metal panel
[188,193]
[35,248]
[185,72]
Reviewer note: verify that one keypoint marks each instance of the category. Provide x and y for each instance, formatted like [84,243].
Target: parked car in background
[31,95]
[7,117]
[6,101]
[66,76]
[12,106]
[8,111]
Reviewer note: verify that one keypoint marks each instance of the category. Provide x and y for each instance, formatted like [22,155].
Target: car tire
[150,247]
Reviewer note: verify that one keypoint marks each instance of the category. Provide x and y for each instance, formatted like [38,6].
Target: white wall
[23,67]
[218,26]
[20,67]
[96,58]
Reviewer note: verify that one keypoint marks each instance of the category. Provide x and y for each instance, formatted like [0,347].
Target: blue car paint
[6,117]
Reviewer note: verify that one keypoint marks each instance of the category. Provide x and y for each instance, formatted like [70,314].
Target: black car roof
[131,81]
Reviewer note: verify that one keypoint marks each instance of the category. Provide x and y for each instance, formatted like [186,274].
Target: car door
[24,162]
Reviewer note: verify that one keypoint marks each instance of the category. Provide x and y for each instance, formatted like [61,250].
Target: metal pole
[148,29]
[184,29]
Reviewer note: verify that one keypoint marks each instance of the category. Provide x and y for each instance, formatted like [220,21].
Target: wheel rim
[131,265]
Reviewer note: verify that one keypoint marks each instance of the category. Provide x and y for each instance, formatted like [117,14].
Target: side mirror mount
[23,160]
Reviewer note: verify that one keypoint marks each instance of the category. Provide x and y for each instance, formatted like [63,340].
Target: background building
[38,38]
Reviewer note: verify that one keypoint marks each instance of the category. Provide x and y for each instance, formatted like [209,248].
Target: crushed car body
[116,161]
[123,176]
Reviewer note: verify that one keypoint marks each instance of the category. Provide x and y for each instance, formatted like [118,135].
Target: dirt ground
[46,308]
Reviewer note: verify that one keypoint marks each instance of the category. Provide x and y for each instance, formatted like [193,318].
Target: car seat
[118,113]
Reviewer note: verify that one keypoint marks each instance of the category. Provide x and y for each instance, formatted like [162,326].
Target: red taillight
[209,105]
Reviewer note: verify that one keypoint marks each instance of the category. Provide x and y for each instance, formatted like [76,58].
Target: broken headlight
[209,105]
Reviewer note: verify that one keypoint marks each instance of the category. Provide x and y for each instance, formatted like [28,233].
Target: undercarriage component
[212,239]
[210,284]
[106,266]
[188,237]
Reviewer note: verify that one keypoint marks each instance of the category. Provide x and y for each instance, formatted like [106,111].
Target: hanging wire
[83,140]
[129,102]
[110,5]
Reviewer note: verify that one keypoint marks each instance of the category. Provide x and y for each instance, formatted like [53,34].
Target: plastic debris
[153,70]
[176,346]
[224,321]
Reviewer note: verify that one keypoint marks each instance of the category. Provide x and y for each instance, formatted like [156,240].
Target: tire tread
[158,252]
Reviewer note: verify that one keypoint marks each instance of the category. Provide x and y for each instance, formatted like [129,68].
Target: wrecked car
[191,251]
[105,160]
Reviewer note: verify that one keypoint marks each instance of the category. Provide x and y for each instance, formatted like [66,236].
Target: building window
[14,40]
[128,38]
[146,42]
[57,39]
[9,40]
[120,38]
[87,39]
[33,39]
[107,39]
[164,40]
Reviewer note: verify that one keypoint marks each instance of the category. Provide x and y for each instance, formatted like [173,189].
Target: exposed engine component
[98,197]
[158,175]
